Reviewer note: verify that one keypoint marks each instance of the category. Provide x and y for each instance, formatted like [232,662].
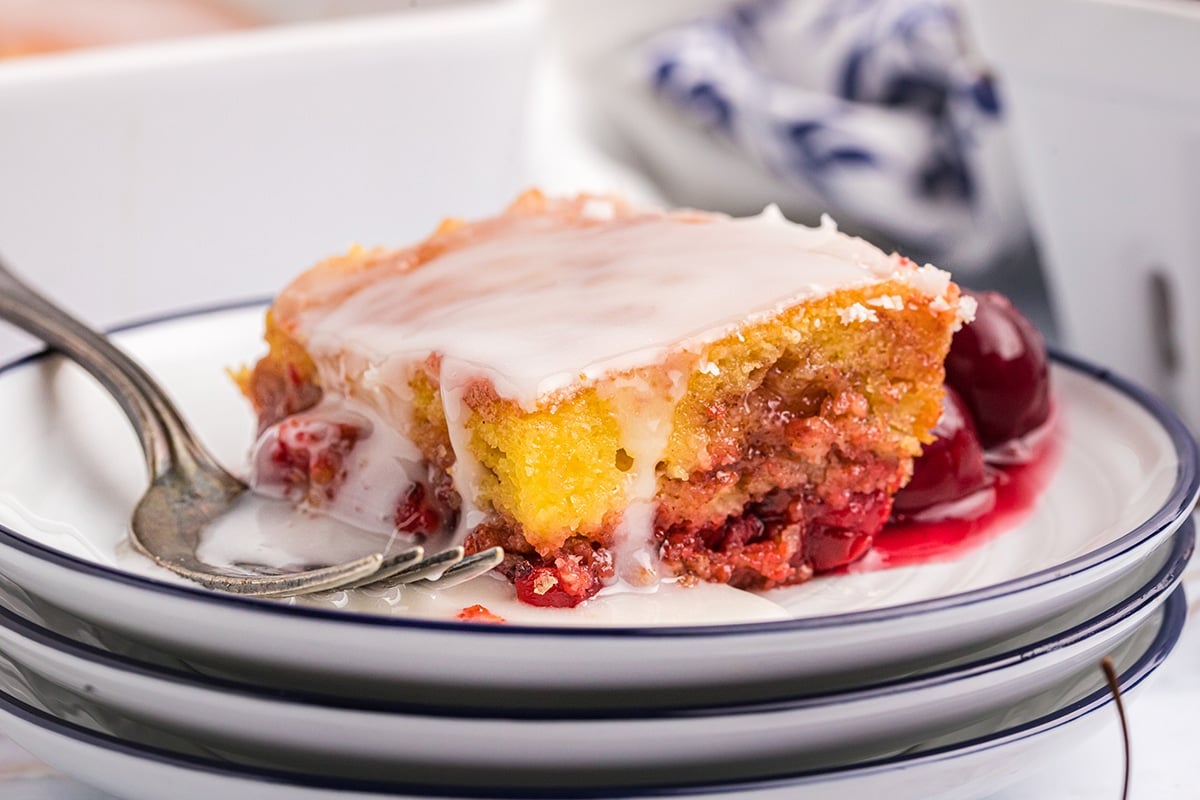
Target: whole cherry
[998,366]
[949,479]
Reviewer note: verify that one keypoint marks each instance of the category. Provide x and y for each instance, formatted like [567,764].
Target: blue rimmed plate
[1127,475]
[977,760]
[299,730]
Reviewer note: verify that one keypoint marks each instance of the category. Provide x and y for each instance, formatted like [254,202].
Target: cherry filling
[546,587]
[950,479]
[786,538]
[997,390]
[417,513]
[999,367]
[308,456]
[576,572]
[759,548]
[842,536]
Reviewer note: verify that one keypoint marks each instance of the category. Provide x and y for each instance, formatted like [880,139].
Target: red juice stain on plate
[1017,486]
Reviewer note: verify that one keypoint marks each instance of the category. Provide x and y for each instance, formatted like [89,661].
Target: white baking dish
[185,172]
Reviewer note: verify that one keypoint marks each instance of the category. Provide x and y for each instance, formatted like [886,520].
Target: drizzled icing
[540,308]
[535,304]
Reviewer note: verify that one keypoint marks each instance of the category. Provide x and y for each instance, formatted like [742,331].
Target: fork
[189,488]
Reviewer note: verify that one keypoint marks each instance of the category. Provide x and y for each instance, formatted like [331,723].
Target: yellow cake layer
[563,469]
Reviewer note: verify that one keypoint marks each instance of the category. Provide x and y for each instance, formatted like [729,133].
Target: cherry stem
[1114,685]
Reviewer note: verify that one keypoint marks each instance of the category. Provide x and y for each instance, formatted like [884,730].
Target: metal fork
[189,488]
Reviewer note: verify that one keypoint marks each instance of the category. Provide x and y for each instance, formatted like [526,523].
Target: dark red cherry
[417,513]
[950,479]
[839,537]
[530,589]
[998,366]
[541,586]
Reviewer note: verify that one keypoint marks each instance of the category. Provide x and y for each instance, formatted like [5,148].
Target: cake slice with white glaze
[611,394]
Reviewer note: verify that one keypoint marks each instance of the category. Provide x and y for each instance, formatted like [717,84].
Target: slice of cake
[611,394]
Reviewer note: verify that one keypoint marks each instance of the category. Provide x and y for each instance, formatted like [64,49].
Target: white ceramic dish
[976,761]
[1105,114]
[148,176]
[298,731]
[1126,478]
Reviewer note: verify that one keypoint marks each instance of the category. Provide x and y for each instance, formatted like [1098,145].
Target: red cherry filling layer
[307,457]
[784,539]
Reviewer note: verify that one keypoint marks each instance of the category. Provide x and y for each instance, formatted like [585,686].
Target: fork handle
[165,438]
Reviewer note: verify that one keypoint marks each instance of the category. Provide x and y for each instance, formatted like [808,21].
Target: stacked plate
[944,677]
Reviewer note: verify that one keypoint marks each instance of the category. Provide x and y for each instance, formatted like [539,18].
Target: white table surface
[1163,720]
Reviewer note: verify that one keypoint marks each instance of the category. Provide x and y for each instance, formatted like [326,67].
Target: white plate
[976,761]
[290,730]
[1126,477]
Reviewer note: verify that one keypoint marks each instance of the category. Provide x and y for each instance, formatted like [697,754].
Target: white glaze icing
[667,603]
[539,308]
[273,534]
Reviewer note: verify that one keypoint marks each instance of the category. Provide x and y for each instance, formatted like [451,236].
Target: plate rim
[1179,501]
[1174,614]
[1154,591]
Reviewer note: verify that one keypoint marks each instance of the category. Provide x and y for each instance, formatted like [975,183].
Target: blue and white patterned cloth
[874,110]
